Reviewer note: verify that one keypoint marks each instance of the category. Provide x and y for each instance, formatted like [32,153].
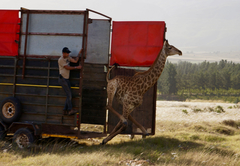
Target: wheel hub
[8,110]
[22,141]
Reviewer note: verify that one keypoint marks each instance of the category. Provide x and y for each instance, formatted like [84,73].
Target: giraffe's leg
[116,113]
[111,90]
[122,128]
[138,125]
[117,127]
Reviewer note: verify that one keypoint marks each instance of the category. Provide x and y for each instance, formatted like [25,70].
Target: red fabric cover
[9,27]
[136,43]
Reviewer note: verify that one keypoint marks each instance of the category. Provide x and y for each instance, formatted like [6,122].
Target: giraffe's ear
[166,42]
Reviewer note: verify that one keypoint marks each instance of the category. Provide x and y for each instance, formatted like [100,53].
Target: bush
[196,110]
[185,111]
[219,109]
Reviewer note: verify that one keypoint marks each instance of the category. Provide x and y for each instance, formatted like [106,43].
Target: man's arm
[72,67]
[75,60]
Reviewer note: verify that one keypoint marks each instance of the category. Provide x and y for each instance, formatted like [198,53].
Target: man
[64,71]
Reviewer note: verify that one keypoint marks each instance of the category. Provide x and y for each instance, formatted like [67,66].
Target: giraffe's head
[171,50]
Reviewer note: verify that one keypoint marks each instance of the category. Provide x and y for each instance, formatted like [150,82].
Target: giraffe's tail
[107,77]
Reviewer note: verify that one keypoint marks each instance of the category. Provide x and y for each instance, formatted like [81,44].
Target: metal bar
[107,66]
[37,95]
[6,66]
[81,71]
[5,93]
[39,104]
[100,14]
[42,77]
[20,32]
[27,94]
[42,68]
[154,109]
[37,57]
[78,12]
[6,75]
[47,91]
[25,45]
[53,34]
[14,76]
[86,37]
[36,113]
[6,57]
[34,85]
[62,96]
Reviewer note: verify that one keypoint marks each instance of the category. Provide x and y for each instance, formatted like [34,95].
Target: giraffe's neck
[151,76]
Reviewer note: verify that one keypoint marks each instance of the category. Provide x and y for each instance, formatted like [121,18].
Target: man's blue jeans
[67,89]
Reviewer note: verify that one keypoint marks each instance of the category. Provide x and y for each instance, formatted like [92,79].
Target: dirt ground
[173,111]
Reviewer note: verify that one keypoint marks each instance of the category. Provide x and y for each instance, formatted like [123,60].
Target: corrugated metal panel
[98,42]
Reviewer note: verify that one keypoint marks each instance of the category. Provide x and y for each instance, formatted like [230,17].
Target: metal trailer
[32,100]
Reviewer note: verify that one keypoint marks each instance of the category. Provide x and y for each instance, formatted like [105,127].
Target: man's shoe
[65,112]
[72,112]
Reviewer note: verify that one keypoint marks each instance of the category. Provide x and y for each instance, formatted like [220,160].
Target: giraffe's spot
[138,86]
[124,85]
[135,93]
[149,78]
[134,89]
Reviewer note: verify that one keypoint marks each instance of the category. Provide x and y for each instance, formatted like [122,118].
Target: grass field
[215,141]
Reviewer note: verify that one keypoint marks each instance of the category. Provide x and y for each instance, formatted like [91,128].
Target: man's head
[65,52]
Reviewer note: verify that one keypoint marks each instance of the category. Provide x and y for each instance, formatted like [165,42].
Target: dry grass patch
[174,144]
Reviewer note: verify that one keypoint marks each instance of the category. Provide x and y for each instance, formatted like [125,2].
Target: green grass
[179,144]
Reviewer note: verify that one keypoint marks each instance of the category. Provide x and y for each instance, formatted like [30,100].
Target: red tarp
[9,27]
[136,43]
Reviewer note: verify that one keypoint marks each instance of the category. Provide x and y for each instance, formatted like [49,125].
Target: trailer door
[136,44]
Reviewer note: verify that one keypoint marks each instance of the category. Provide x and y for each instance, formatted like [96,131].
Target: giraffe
[129,90]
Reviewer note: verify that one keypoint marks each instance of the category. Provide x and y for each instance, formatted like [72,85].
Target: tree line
[186,77]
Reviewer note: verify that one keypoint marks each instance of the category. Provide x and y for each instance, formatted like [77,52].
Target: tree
[167,82]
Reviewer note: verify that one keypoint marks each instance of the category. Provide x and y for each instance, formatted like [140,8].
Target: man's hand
[78,67]
[80,52]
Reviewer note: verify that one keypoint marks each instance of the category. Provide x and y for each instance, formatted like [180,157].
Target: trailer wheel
[23,138]
[2,133]
[10,110]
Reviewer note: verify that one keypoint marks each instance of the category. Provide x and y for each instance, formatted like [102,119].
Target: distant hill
[211,57]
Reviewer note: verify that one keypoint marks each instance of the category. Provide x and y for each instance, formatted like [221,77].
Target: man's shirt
[61,63]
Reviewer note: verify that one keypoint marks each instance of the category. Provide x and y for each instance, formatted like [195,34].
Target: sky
[202,29]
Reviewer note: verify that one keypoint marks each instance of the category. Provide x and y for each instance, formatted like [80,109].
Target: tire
[10,110]
[2,133]
[23,138]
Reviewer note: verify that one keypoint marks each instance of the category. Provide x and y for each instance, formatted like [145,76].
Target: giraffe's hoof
[145,135]
[103,143]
